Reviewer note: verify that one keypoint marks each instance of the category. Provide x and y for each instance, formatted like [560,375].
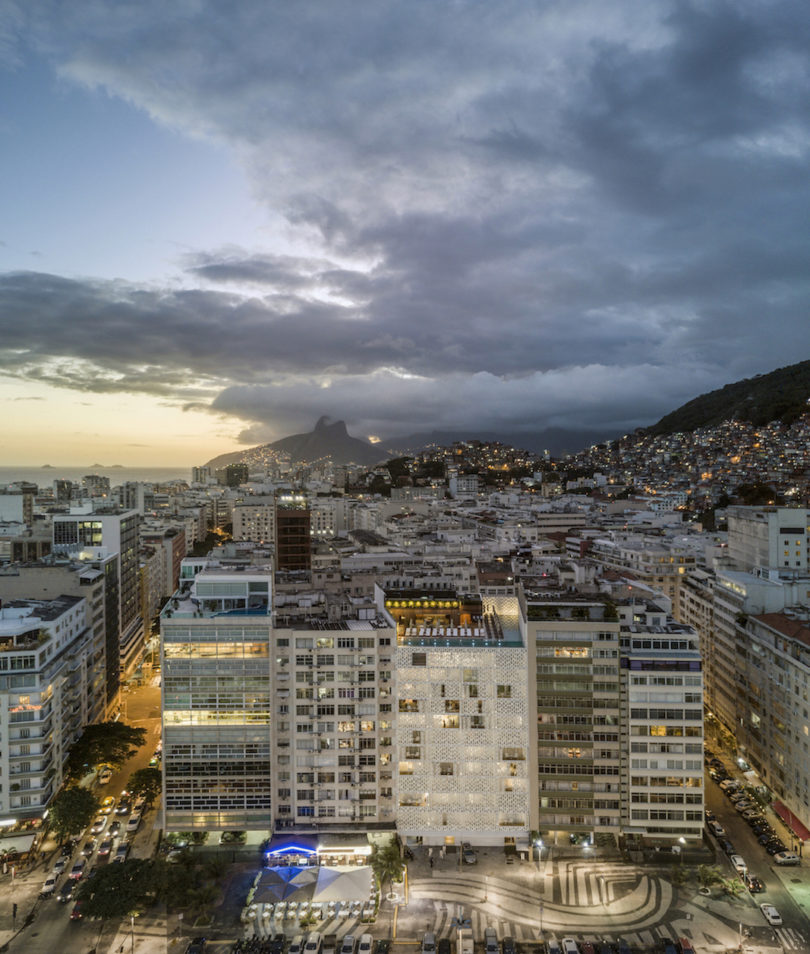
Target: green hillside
[779,395]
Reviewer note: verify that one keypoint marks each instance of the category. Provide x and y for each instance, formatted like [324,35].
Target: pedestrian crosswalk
[791,939]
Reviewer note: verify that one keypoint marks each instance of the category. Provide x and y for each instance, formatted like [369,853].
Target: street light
[539,846]
[132,926]
[682,840]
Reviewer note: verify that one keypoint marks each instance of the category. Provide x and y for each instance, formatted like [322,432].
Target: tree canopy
[103,742]
[72,811]
[386,862]
[146,783]
[117,890]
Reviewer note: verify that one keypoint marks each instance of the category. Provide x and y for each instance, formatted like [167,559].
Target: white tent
[344,884]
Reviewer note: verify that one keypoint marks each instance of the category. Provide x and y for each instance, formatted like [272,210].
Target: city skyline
[220,226]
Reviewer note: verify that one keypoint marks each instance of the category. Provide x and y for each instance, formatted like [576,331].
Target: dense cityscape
[444,665]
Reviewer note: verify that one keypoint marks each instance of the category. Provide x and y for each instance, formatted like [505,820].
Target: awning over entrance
[292,844]
[791,821]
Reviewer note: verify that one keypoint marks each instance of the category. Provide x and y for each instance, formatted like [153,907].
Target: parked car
[744,806]
[508,945]
[444,946]
[729,785]
[685,945]
[586,947]
[98,825]
[775,847]
[491,941]
[77,870]
[49,887]
[197,946]
[133,823]
[710,816]
[786,858]
[61,863]
[570,946]
[123,807]
[89,847]
[771,915]
[314,943]
[468,854]
[738,863]
[121,853]
[297,944]
[366,943]
[717,829]
[752,815]
[115,828]
[105,847]
[105,775]
[347,947]
[727,846]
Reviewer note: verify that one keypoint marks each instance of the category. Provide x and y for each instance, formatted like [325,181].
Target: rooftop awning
[292,844]
[791,821]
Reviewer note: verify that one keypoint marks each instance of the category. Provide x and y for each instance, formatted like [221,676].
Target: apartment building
[769,537]
[662,726]
[46,664]
[334,723]
[462,771]
[574,675]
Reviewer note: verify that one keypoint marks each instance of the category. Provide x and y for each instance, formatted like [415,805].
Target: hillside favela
[332,696]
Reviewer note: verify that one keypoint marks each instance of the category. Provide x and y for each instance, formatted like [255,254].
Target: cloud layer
[517,215]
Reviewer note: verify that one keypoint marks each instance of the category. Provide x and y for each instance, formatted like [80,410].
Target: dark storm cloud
[563,213]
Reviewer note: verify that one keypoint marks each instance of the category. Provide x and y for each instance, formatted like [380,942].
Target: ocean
[45,476]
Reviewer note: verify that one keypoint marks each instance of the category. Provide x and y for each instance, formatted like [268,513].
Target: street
[52,929]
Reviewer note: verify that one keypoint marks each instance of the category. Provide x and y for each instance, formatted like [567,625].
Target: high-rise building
[46,661]
[293,536]
[218,767]
[95,536]
[769,537]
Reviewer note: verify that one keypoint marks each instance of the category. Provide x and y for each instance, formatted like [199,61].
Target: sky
[219,222]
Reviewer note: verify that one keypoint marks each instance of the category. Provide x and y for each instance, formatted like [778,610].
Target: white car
[50,886]
[99,825]
[132,823]
[104,776]
[787,858]
[772,916]
[738,863]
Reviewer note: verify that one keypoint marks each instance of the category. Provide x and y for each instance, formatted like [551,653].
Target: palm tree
[386,863]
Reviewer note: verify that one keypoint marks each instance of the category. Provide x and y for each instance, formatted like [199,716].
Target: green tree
[118,890]
[707,876]
[146,783]
[104,742]
[386,863]
[733,887]
[72,811]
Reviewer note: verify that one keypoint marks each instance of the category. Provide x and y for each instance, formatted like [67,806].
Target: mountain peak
[325,423]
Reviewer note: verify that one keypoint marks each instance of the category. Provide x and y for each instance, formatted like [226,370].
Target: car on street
[717,829]
[105,775]
[66,891]
[508,945]
[786,858]
[347,947]
[60,864]
[197,946]
[115,829]
[121,853]
[751,815]
[133,823]
[754,885]
[443,947]
[685,946]
[468,854]
[108,805]
[744,806]
[586,947]
[76,913]
[105,847]
[77,870]
[729,785]
[738,863]
[710,816]
[365,944]
[775,847]
[727,846]
[570,946]
[771,915]
[49,887]
[98,825]
[89,847]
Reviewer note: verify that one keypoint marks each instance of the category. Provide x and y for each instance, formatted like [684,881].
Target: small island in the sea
[47,467]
